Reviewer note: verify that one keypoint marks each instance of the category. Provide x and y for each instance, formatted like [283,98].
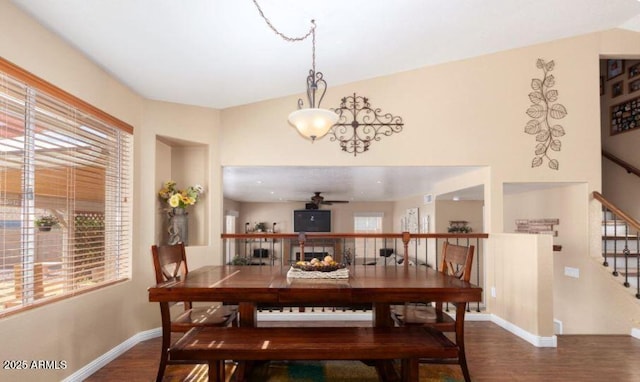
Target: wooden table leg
[382,315]
[248,314]
[386,371]
[216,371]
[410,370]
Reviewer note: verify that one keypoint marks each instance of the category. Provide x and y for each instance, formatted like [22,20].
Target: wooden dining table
[378,286]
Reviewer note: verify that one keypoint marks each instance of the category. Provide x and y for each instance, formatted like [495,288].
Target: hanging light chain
[311,32]
[313,46]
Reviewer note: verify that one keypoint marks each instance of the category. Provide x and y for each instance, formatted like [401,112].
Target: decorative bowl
[306,266]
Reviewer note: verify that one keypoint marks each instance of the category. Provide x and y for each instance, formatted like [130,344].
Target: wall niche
[186,163]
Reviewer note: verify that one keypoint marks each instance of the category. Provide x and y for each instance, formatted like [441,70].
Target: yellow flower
[179,198]
[174,201]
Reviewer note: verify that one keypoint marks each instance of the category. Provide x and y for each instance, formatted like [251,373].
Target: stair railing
[629,225]
[631,169]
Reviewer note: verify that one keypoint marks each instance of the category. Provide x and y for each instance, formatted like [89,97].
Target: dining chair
[170,263]
[456,261]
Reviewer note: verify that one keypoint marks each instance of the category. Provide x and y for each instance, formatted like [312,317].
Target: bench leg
[462,359]
[216,371]
[386,371]
[410,370]
[243,369]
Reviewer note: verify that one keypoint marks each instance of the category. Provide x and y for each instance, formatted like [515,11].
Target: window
[64,159]
[367,222]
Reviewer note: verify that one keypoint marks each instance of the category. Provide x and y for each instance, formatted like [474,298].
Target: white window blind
[57,158]
[367,222]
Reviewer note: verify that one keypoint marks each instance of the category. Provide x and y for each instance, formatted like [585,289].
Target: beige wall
[109,316]
[82,328]
[583,304]
[190,135]
[473,113]
[470,115]
[469,210]
[520,269]
[469,112]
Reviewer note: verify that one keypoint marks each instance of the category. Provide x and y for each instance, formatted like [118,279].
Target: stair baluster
[620,242]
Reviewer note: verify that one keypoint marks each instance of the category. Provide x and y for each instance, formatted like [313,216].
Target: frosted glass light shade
[313,123]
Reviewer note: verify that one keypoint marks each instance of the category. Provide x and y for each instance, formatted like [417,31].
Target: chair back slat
[169,261]
[457,260]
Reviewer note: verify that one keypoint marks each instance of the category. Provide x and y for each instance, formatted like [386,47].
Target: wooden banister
[617,211]
[631,169]
[328,235]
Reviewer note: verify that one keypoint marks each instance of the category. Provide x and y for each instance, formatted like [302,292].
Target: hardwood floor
[493,355]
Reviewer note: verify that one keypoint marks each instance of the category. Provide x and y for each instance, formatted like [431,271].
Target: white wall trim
[635,333]
[112,354]
[477,317]
[558,326]
[315,316]
[367,316]
[541,342]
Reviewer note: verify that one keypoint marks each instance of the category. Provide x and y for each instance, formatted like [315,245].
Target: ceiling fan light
[313,123]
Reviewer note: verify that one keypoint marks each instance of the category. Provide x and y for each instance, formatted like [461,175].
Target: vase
[44,228]
[178,226]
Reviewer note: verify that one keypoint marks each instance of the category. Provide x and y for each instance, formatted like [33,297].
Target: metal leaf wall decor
[544,112]
[359,124]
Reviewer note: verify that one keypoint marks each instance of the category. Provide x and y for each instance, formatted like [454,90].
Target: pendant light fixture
[311,122]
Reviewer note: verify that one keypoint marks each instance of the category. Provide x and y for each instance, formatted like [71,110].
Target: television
[312,221]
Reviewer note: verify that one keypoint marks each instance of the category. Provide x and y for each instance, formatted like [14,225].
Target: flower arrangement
[47,221]
[180,198]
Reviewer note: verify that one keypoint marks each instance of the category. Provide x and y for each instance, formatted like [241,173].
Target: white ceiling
[354,184]
[220,53]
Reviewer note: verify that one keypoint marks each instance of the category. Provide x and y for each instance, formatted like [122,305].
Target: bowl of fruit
[325,265]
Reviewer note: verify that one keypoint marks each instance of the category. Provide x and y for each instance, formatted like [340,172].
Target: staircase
[620,244]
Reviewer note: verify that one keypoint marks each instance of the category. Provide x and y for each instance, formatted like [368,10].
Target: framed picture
[614,68]
[412,220]
[601,85]
[625,116]
[634,85]
[634,70]
[616,89]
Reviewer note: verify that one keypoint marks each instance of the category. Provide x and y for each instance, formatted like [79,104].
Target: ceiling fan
[318,199]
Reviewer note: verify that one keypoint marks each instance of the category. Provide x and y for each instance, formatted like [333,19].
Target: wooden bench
[408,344]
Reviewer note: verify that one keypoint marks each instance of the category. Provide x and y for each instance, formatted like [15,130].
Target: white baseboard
[541,342]
[558,328]
[112,354]
[315,316]
[635,333]
[367,316]
[477,317]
